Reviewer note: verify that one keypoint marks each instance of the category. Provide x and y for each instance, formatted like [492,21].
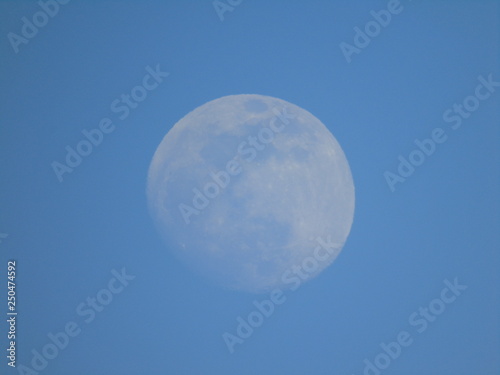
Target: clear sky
[68,236]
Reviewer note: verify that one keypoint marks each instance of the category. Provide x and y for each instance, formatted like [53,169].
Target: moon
[252,192]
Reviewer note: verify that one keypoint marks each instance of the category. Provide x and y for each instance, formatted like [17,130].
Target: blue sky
[67,237]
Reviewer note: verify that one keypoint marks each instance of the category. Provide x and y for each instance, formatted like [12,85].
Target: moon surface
[252,192]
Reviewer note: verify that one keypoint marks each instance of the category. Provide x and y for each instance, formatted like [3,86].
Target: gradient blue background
[67,237]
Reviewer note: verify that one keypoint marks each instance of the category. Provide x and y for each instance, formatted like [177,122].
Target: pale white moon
[253,192]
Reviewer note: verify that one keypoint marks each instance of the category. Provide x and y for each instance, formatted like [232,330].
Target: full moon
[252,192]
